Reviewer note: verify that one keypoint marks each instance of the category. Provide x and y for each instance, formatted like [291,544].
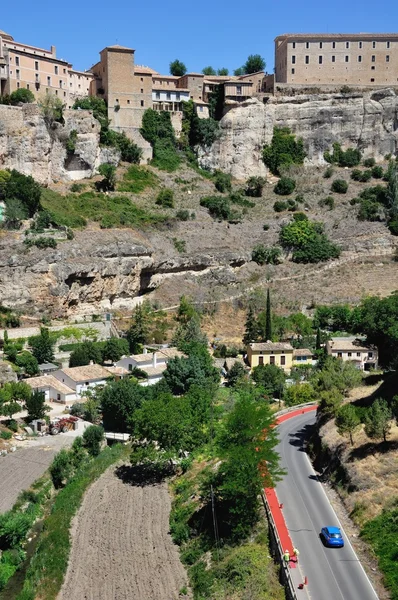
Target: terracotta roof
[117,370]
[337,36]
[86,373]
[118,47]
[153,371]
[302,352]
[273,346]
[48,381]
[144,69]
[349,344]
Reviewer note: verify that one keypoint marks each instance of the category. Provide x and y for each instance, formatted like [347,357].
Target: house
[363,355]
[302,356]
[54,390]
[152,363]
[46,368]
[270,353]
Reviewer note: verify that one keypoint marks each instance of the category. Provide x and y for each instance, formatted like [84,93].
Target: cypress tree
[268,319]
[250,327]
[318,339]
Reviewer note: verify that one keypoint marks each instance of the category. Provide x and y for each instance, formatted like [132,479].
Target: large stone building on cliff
[331,59]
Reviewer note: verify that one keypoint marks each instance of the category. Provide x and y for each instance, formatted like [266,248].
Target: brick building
[358,59]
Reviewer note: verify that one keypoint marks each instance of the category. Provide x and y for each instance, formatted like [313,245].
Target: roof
[86,373]
[302,352]
[338,36]
[159,76]
[117,370]
[48,381]
[333,529]
[349,343]
[238,82]
[170,89]
[3,34]
[273,346]
[146,70]
[171,353]
[154,371]
[118,47]
[246,75]
[162,354]
[229,362]
[48,366]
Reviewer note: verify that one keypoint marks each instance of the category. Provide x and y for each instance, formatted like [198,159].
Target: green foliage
[377,172]
[330,402]
[41,242]
[299,393]
[218,206]
[114,349]
[378,420]
[197,369]
[369,163]
[179,245]
[266,256]
[285,186]
[35,404]
[362,176]
[347,421]
[119,400]
[60,469]
[209,71]
[23,189]
[138,331]
[344,158]
[165,198]
[222,182]
[5,435]
[92,438]
[254,64]
[22,95]
[108,172]
[377,319]
[329,202]
[283,151]
[28,363]
[188,335]
[340,186]
[52,109]
[308,241]
[338,375]
[280,206]
[393,227]
[223,72]
[271,378]
[42,346]
[216,100]
[71,142]
[333,318]
[183,215]
[328,173]
[84,353]
[177,68]
[236,374]
[158,130]
[255,186]
[136,179]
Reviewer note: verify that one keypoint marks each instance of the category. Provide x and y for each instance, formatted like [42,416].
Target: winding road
[333,573]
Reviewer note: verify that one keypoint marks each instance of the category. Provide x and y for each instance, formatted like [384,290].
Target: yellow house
[270,353]
[302,356]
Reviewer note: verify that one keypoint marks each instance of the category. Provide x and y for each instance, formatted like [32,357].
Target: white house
[54,390]
[354,349]
[152,363]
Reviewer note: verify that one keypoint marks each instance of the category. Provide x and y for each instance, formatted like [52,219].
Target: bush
[60,468]
[362,176]
[280,206]
[329,202]
[369,210]
[222,182]
[41,242]
[165,198]
[328,173]
[108,172]
[369,162]
[344,158]
[285,186]
[183,215]
[5,435]
[255,186]
[393,227]
[283,151]
[377,172]
[238,198]
[22,95]
[92,438]
[262,255]
[339,186]
[308,241]
[218,206]
[265,227]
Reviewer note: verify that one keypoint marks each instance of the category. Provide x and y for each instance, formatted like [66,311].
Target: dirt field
[121,548]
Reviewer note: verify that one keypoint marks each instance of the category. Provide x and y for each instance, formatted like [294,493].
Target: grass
[136,180]
[48,565]
[110,211]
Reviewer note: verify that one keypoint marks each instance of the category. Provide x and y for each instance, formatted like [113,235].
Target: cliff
[368,121]
[34,148]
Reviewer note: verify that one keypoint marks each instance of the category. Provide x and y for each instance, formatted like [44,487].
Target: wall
[254,356]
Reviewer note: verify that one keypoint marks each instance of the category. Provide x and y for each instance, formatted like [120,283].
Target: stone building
[40,71]
[323,59]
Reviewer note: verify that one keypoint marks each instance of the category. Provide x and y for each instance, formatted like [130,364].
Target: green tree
[22,95]
[14,214]
[138,331]
[266,256]
[271,378]
[222,182]
[330,402]
[392,192]
[36,405]
[348,421]
[177,68]
[42,346]
[85,353]
[28,363]
[51,108]
[254,64]
[251,329]
[239,71]
[25,189]
[283,151]
[108,172]
[119,400]
[196,369]
[208,71]
[337,374]
[299,393]
[115,348]
[255,186]
[285,186]
[92,438]
[8,404]
[308,241]
[189,334]
[61,468]
[268,319]
[378,420]
[223,72]
[186,310]
[236,374]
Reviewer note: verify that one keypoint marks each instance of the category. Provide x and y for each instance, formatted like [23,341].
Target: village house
[153,364]
[364,356]
[270,353]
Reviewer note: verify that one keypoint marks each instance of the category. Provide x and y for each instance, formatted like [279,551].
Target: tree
[223,72]
[36,405]
[119,400]
[186,310]
[378,320]
[251,330]
[268,319]
[255,186]
[108,172]
[139,329]
[330,402]
[115,348]
[85,353]
[299,393]
[236,374]
[8,404]
[254,64]
[392,192]
[197,369]
[239,71]
[318,344]
[208,71]
[42,346]
[22,95]
[61,468]
[285,186]
[271,378]
[28,363]
[177,68]
[378,420]
[337,374]
[308,241]
[92,438]
[52,109]
[347,421]
[25,189]
[14,214]
[283,151]
[266,256]
[189,335]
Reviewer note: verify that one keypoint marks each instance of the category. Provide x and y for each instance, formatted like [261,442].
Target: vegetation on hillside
[283,151]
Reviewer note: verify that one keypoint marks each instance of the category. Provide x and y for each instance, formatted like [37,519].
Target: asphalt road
[333,573]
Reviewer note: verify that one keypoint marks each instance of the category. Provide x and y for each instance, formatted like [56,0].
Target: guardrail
[276,549]
[284,411]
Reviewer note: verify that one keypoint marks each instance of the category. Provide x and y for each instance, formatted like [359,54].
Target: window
[388,58]
[201,109]
[292,71]
[293,44]
[272,360]
[128,101]
[349,354]
[142,103]
[48,80]
[320,45]
[36,65]
[142,91]
[373,58]
[359,58]
[307,44]
[239,90]
[60,83]
[130,367]
[18,84]
[37,78]
[293,60]
[346,58]
[307,60]
[283,360]
[178,95]
[358,354]
[18,74]
[261,360]
[339,355]
[158,95]
[333,45]
[142,79]
[64,71]
[168,96]
[117,100]
[372,80]
[17,61]
[56,70]
[372,68]
[360,45]
[347,44]
[370,354]
[373,44]
[388,45]
[320,60]
[333,59]
[59,397]
[64,94]
[27,86]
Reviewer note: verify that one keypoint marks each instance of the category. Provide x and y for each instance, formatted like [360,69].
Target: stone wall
[368,121]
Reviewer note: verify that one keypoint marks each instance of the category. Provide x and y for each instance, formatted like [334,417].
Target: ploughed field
[121,547]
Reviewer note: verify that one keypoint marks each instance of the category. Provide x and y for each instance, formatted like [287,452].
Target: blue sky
[201,33]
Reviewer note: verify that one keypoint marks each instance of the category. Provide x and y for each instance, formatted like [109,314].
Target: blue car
[332,537]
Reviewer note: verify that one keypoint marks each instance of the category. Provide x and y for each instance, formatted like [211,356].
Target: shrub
[22,95]
[255,186]
[368,210]
[280,206]
[5,435]
[262,255]
[77,187]
[300,199]
[284,150]
[92,438]
[308,241]
[179,245]
[339,186]
[218,206]
[345,89]
[285,186]
[165,198]
[222,182]
[329,202]
[41,242]
[108,172]
[60,468]
[183,215]
[377,172]
[71,142]
[328,173]
[393,227]
[362,176]
[369,162]
[344,158]
[265,227]
[238,198]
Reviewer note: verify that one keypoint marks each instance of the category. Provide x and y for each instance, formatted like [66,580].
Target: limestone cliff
[34,148]
[368,121]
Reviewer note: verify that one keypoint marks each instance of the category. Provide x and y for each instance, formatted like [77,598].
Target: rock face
[34,148]
[367,121]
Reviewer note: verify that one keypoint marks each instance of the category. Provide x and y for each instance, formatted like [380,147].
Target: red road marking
[272,498]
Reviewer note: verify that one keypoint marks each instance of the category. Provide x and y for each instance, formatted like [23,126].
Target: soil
[121,547]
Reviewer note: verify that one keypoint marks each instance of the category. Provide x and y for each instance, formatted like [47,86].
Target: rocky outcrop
[7,375]
[37,148]
[367,121]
